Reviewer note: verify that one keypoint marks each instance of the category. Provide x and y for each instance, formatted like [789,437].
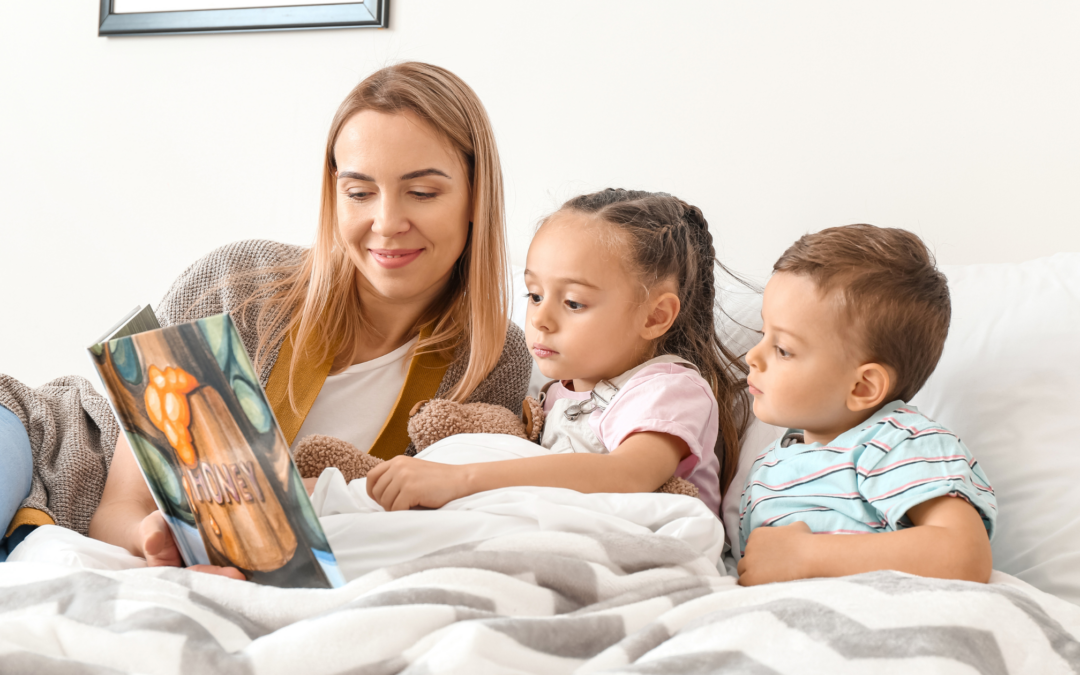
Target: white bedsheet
[365,538]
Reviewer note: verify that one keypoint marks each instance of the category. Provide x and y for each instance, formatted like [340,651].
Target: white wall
[122,160]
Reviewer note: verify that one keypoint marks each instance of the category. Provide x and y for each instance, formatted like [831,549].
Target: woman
[408,268]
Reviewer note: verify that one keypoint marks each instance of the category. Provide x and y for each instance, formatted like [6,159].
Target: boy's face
[585,314]
[804,370]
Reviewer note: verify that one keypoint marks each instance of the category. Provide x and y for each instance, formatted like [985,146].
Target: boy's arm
[948,541]
[641,463]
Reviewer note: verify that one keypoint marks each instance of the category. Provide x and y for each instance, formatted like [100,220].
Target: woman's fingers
[230,572]
[160,549]
[158,544]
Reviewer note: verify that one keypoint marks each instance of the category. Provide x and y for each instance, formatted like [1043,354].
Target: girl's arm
[641,463]
[948,541]
[128,517]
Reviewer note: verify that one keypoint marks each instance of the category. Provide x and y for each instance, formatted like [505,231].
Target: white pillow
[1008,384]
[758,437]
[739,326]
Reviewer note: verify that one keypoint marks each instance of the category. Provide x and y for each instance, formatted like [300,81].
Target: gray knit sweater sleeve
[72,435]
[222,281]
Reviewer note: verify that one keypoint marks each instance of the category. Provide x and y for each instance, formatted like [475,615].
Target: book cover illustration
[200,426]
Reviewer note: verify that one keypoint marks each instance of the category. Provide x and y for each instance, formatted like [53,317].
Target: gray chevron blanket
[542,602]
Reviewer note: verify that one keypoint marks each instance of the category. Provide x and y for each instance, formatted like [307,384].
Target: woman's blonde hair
[319,295]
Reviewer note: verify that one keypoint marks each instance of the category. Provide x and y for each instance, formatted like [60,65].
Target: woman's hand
[157,543]
[229,572]
[404,482]
[160,550]
[128,517]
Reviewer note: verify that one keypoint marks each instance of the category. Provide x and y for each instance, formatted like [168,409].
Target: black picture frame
[369,14]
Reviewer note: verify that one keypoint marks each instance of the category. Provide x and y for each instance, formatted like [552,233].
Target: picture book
[205,437]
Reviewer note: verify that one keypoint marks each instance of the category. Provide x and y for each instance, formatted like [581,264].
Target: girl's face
[403,206]
[588,318]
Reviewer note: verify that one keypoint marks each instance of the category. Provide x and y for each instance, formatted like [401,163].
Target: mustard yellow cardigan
[422,381]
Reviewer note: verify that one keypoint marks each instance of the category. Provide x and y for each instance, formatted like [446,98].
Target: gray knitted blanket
[72,428]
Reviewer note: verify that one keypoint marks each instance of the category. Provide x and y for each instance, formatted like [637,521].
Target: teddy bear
[434,420]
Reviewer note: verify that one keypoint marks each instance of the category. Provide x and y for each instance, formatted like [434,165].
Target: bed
[537,580]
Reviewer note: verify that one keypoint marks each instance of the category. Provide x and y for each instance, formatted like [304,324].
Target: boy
[855,320]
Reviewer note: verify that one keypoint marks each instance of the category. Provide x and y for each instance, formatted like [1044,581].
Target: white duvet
[365,538]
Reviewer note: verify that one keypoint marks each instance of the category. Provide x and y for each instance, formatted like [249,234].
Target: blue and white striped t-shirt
[866,479]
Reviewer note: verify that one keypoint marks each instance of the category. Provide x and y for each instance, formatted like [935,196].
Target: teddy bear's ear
[678,486]
[532,414]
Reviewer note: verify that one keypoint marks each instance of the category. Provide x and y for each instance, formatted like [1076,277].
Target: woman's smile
[403,206]
[392,258]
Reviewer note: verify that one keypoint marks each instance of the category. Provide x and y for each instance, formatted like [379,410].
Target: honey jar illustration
[234,505]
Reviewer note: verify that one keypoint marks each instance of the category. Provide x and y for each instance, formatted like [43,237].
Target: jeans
[16,470]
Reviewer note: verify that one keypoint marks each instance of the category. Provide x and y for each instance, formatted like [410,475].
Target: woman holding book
[403,296]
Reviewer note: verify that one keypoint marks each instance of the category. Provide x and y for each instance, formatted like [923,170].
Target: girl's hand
[775,554]
[160,550]
[404,482]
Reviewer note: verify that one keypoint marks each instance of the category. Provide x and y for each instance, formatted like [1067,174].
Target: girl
[621,315]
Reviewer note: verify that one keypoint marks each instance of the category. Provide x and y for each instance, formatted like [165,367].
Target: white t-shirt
[354,404]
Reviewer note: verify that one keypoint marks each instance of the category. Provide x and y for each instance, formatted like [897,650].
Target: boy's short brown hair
[889,291]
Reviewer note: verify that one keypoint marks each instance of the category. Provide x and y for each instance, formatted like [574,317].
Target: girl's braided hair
[669,239]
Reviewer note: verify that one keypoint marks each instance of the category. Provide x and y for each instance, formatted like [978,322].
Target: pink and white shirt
[663,395]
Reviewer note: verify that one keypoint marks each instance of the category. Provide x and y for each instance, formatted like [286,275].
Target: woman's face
[403,206]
